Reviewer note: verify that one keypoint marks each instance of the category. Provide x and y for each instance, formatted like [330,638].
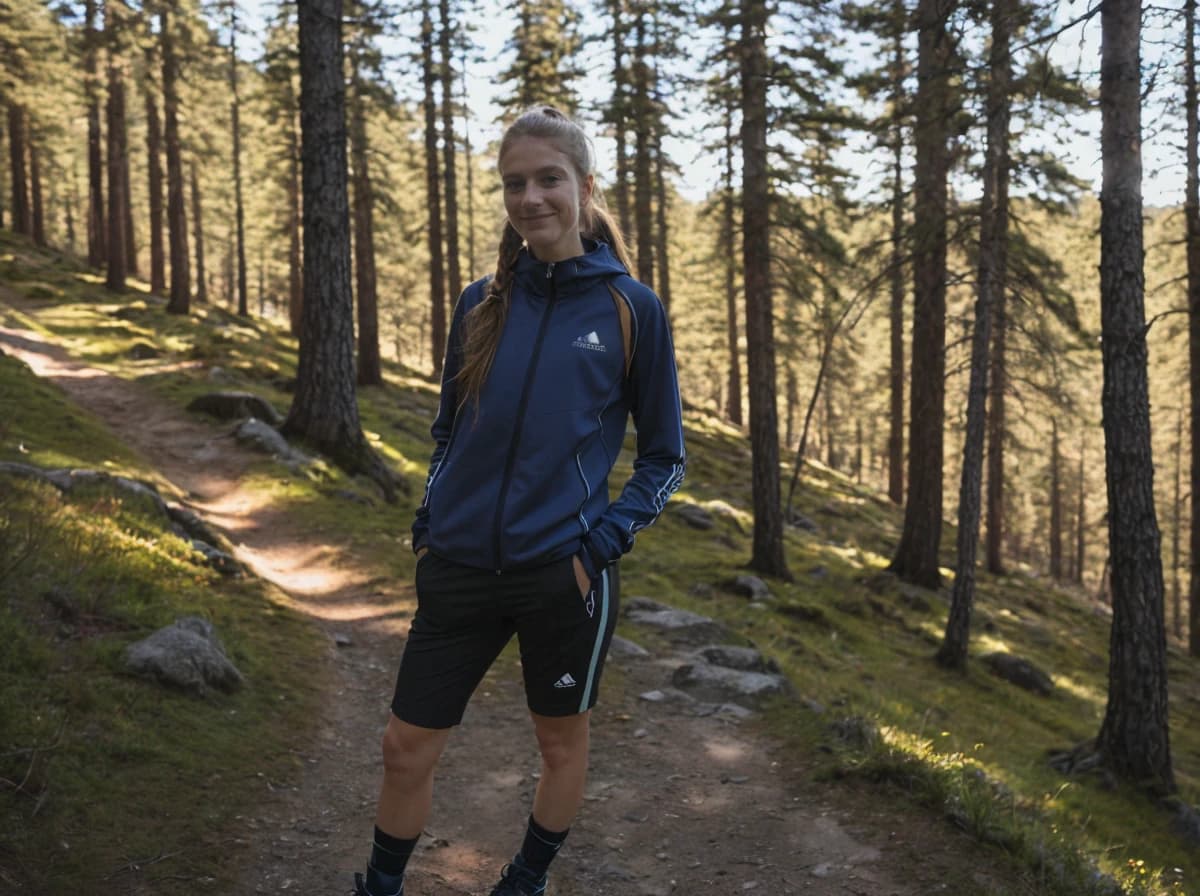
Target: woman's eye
[513,186]
[551,179]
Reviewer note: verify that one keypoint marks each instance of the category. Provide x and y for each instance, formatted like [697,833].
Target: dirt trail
[675,803]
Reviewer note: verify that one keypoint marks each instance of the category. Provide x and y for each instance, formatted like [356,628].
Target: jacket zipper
[520,420]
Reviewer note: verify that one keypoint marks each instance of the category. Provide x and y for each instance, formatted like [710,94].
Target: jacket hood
[570,276]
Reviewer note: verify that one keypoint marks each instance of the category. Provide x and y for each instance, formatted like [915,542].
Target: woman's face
[543,196]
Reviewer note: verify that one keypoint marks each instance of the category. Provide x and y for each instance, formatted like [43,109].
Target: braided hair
[485,322]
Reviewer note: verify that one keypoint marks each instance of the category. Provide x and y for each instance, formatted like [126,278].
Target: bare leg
[563,741]
[410,755]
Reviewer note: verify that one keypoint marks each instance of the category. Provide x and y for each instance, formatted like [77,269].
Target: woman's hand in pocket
[581,577]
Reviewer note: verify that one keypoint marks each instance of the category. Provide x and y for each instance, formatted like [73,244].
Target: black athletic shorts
[465,616]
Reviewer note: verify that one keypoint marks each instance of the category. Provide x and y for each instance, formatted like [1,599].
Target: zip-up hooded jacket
[524,481]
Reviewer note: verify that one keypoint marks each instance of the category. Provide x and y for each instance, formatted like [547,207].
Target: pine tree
[198,237]
[916,558]
[1134,740]
[1192,215]
[180,297]
[437,281]
[154,170]
[97,231]
[449,152]
[18,150]
[114,17]
[545,44]
[767,557]
[324,409]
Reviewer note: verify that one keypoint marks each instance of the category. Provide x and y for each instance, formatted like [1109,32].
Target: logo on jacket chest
[591,342]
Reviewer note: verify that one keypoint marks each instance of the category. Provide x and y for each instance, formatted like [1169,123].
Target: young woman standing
[516,532]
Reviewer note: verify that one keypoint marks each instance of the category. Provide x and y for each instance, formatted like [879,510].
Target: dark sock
[389,857]
[540,847]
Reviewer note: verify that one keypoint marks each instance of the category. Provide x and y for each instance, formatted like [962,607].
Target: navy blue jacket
[525,481]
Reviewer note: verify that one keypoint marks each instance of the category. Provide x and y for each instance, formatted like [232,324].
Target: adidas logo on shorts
[565,682]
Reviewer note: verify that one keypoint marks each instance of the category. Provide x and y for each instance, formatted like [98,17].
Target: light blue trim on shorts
[600,630]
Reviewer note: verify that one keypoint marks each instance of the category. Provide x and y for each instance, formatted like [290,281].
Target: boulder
[263,437]
[678,625]
[718,684]
[235,406]
[623,647]
[694,515]
[1019,671]
[751,586]
[187,655]
[218,560]
[745,659]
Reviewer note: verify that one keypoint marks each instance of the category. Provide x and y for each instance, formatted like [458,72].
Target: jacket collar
[570,276]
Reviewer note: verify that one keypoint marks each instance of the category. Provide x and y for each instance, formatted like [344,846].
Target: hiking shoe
[516,880]
[360,887]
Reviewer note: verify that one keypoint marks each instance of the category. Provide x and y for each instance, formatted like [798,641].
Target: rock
[223,563]
[800,521]
[187,655]
[234,406]
[1186,821]
[343,640]
[694,515]
[855,731]
[716,683]
[804,613]
[680,625]
[267,439]
[744,659]
[191,524]
[142,351]
[1019,671]
[669,695]
[752,587]
[623,647]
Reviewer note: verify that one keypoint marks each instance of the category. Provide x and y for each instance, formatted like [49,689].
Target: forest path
[676,804]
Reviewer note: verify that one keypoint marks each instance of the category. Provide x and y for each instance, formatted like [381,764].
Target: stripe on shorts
[600,630]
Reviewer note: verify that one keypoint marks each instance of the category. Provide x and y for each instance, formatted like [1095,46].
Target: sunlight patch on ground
[729,752]
[1087,692]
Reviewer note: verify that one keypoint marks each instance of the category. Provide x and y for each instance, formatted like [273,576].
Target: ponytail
[485,322]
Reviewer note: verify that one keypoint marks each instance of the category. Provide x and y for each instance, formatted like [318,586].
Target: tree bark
[198,236]
[114,238]
[643,191]
[97,250]
[180,300]
[158,276]
[916,559]
[324,410]
[896,311]
[1177,506]
[370,369]
[235,110]
[37,211]
[295,260]
[1192,216]
[768,556]
[661,200]
[1134,740]
[1081,514]
[131,255]
[22,214]
[1056,513]
[620,102]
[449,155]
[733,403]
[437,282]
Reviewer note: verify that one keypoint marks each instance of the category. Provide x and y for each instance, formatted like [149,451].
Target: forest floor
[676,803]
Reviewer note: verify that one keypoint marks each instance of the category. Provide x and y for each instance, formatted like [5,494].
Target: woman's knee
[410,752]
[562,741]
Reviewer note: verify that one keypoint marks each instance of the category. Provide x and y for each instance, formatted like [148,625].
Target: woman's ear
[586,189]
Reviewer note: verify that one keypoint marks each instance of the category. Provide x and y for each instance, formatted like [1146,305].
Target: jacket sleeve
[443,424]
[658,468]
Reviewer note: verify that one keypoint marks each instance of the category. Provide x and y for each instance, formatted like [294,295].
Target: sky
[1076,50]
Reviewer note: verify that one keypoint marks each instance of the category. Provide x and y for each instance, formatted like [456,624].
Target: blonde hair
[485,322]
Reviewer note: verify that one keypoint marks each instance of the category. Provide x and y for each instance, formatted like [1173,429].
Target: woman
[516,533]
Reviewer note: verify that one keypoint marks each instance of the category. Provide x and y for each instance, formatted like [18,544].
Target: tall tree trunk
[661,200]
[370,368]
[767,557]
[72,209]
[468,166]
[37,212]
[114,238]
[643,191]
[324,409]
[1177,505]
[449,155]
[17,151]
[620,104]
[235,110]
[916,559]
[180,300]
[1134,740]
[97,250]
[1081,513]
[198,236]
[896,371]
[1056,511]
[733,409]
[437,282]
[1192,214]
[158,276]
[131,255]
[295,261]
[3,140]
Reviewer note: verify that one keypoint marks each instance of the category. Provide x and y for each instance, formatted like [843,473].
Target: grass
[852,639]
